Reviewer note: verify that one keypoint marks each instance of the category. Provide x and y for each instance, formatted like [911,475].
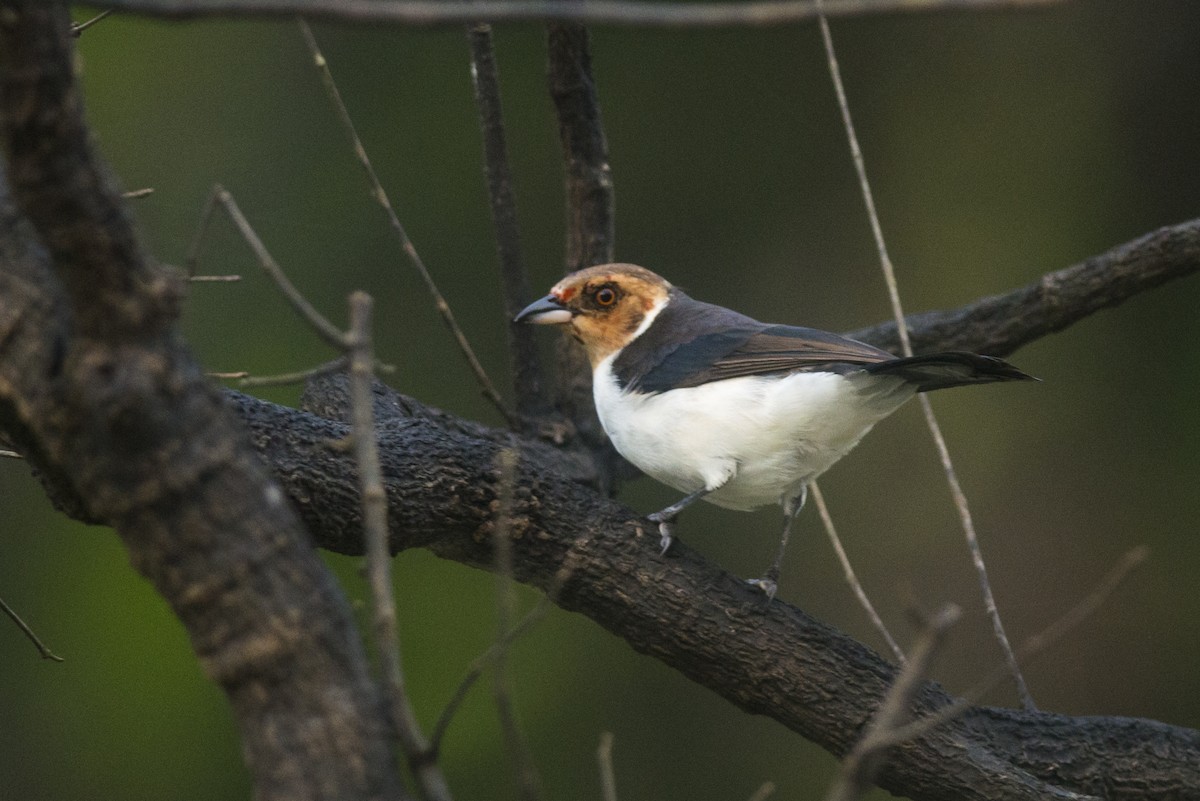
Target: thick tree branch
[616,12]
[443,486]
[98,391]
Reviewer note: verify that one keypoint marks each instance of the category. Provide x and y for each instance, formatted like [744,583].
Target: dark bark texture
[99,393]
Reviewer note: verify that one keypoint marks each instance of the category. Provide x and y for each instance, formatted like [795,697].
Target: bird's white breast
[758,438]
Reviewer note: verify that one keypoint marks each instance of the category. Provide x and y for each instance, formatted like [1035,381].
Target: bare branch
[1000,324]
[851,578]
[862,764]
[28,632]
[608,776]
[590,220]
[528,782]
[410,250]
[361,353]
[97,389]
[701,620]
[522,341]
[935,430]
[613,12]
[1029,650]
[332,335]
[78,28]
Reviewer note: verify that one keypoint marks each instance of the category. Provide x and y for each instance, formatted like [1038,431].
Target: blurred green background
[1001,146]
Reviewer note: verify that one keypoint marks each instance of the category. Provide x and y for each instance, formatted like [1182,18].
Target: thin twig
[478,666]
[889,274]
[480,663]
[379,559]
[78,28]
[24,627]
[138,194]
[611,12]
[325,329]
[522,341]
[861,765]
[608,776]
[381,197]
[1032,648]
[528,782]
[851,577]
[7,454]
[192,259]
[333,366]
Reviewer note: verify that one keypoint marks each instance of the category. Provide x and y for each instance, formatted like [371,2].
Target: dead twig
[608,12]
[360,348]
[78,28]
[608,776]
[522,341]
[28,632]
[935,430]
[381,197]
[864,760]
[851,577]
[528,782]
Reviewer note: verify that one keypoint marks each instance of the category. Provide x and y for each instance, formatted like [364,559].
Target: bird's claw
[767,586]
[666,531]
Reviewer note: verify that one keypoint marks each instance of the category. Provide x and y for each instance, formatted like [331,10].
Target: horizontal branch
[1000,324]
[609,12]
[603,561]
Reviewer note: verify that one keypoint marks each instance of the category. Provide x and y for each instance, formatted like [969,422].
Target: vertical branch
[522,343]
[379,561]
[590,216]
[381,197]
[935,430]
[528,782]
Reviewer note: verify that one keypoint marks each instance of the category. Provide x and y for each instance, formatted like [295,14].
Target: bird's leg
[666,517]
[769,583]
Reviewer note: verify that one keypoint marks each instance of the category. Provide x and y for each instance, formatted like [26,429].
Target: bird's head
[604,307]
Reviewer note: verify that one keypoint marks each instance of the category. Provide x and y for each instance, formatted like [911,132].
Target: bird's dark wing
[692,343]
[784,349]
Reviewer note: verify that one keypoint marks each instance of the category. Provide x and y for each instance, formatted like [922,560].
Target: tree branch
[615,12]
[97,390]
[683,610]
[1000,324]
[590,225]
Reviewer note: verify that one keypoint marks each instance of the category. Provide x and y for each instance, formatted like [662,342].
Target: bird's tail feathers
[951,369]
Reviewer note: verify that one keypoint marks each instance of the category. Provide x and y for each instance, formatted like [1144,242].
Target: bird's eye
[606,296]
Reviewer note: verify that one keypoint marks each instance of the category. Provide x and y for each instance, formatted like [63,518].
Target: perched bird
[727,409]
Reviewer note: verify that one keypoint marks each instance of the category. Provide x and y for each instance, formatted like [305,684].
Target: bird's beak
[545,311]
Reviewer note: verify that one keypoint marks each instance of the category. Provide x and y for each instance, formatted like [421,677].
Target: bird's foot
[666,530]
[764,585]
[768,585]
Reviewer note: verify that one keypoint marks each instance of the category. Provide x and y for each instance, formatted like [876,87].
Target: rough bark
[103,398]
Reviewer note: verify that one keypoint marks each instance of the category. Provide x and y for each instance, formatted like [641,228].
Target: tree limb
[616,12]
[1000,324]
[688,613]
[98,391]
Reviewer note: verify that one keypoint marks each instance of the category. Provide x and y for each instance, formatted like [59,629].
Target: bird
[724,408]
